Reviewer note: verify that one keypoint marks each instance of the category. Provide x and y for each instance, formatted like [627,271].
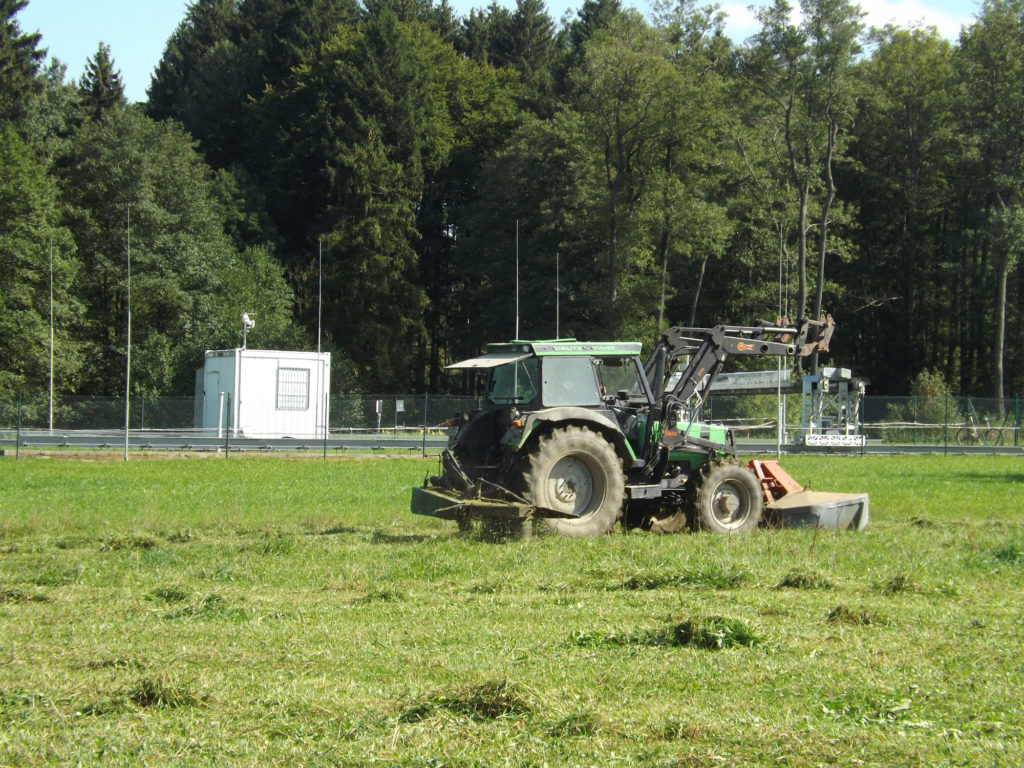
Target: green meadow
[264,610]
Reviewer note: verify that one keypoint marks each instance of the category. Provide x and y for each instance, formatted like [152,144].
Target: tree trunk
[826,209]
[696,293]
[1000,343]
[663,248]
[613,262]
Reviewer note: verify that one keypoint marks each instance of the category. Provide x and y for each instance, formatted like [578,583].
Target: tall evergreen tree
[19,62]
[174,85]
[101,90]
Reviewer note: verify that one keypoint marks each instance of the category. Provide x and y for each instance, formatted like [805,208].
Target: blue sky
[137,30]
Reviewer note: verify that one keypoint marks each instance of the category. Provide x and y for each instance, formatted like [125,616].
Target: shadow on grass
[378,537]
[374,536]
[995,478]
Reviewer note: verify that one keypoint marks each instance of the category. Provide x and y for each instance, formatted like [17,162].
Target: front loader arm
[709,348]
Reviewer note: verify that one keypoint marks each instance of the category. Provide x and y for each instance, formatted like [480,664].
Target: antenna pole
[51,333]
[320,293]
[558,297]
[128,345]
[517,279]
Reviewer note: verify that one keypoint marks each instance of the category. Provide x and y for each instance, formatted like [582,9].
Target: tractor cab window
[514,383]
[619,374]
[570,381]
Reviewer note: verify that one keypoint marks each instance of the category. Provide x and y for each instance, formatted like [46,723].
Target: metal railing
[944,422]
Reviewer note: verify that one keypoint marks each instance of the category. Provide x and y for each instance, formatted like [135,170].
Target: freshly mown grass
[268,610]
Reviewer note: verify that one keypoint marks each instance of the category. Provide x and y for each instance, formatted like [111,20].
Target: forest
[443,181]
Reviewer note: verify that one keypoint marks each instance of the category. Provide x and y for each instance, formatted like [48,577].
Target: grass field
[278,611]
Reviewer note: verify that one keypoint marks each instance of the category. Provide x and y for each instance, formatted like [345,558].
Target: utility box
[263,393]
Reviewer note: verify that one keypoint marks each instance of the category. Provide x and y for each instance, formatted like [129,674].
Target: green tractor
[580,435]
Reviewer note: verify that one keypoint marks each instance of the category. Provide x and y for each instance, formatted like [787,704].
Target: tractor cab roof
[514,351]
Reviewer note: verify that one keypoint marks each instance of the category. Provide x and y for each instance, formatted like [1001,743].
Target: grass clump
[159,693]
[114,662]
[711,633]
[897,584]
[709,576]
[155,692]
[580,725]
[601,639]
[10,595]
[59,576]
[212,606]
[487,701]
[1011,553]
[799,578]
[714,633]
[274,543]
[168,595]
[129,542]
[379,596]
[861,617]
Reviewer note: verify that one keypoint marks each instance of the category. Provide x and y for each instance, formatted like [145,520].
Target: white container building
[263,393]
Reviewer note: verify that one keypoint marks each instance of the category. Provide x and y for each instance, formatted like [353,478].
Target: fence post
[327,422]
[913,431]
[227,432]
[945,428]
[1017,420]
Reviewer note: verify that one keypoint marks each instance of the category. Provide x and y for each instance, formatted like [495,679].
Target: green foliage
[931,402]
[128,177]
[674,177]
[29,233]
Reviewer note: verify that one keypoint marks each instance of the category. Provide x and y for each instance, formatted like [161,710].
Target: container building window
[293,389]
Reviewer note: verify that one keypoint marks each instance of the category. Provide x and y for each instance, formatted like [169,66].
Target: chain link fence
[371,414]
[884,421]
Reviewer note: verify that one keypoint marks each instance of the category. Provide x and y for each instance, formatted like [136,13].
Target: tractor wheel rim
[729,505]
[572,486]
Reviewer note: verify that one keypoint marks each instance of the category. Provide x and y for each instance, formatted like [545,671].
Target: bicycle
[974,433]
[1007,428]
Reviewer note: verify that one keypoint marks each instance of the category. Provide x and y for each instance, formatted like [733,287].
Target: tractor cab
[531,383]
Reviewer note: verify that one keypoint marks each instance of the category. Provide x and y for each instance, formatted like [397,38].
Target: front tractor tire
[728,499]
[576,472]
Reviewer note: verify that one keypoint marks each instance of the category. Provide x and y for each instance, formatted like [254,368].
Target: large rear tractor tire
[728,499]
[576,472]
